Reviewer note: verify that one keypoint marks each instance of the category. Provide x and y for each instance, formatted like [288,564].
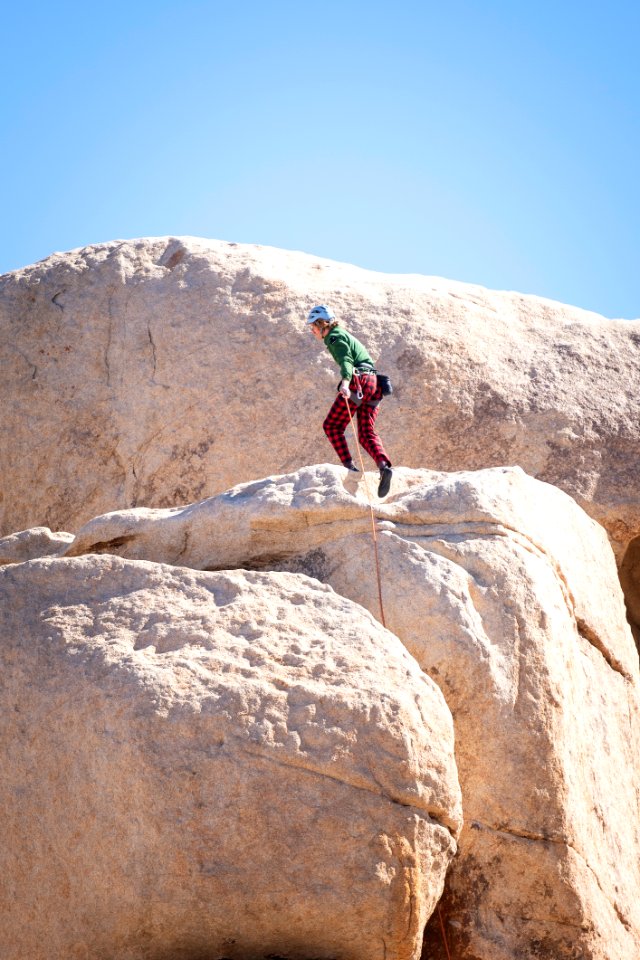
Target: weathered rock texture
[197,765]
[160,371]
[31,544]
[506,593]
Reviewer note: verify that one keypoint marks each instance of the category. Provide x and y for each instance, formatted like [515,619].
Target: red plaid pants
[337,420]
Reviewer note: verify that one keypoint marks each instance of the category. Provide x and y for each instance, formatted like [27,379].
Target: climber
[358,392]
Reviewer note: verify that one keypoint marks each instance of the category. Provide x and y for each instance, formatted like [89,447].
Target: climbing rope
[382,620]
[444,935]
[373,519]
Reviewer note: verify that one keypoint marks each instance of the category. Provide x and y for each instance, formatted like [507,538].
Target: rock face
[506,593]
[160,371]
[154,710]
[213,765]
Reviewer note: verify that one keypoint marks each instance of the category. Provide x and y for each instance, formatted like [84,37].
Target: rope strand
[382,620]
[444,935]
[373,520]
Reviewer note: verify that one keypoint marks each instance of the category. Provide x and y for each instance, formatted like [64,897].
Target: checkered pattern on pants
[337,421]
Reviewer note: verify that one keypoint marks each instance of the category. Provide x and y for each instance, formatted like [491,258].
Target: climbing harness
[382,619]
[359,395]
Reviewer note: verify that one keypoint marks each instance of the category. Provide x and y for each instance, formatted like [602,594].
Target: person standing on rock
[358,392]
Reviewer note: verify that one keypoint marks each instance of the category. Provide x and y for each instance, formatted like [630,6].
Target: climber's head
[321,319]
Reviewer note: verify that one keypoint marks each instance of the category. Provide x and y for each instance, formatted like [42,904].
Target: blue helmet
[320,313]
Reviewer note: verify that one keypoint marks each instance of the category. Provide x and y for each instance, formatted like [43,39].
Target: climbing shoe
[385,480]
[351,466]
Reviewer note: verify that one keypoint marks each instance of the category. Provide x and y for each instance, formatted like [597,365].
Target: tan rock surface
[163,370]
[33,543]
[506,593]
[228,765]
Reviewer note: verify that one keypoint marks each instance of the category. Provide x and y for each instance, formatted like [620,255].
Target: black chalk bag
[384,382]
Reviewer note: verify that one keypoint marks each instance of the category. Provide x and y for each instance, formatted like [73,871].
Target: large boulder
[506,593]
[213,765]
[163,370]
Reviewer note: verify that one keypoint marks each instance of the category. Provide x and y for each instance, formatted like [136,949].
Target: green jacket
[346,351]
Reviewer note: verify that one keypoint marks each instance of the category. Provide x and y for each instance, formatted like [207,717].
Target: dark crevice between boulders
[108,546]
[450,919]
[630,583]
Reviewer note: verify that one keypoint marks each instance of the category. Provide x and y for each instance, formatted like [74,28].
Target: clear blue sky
[493,142]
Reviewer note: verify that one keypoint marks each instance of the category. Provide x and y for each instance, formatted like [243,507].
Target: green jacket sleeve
[339,347]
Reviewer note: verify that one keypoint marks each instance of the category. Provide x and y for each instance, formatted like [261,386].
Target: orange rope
[444,935]
[373,521]
[377,558]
